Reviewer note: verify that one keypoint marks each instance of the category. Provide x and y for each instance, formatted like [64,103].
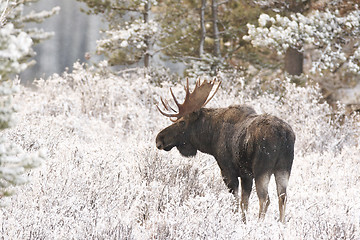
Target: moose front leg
[232,182]
[246,187]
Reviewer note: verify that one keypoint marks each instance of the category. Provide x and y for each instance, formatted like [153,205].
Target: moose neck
[204,130]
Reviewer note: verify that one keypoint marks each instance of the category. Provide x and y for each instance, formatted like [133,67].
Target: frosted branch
[321,29]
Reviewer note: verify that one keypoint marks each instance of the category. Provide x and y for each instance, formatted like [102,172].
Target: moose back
[244,144]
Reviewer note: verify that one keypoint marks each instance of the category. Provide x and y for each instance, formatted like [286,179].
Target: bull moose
[244,143]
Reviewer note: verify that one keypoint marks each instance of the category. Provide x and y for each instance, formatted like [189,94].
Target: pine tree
[131,32]
[328,32]
[207,34]
[192,35]
[16,42]
[204,34]
[15,51]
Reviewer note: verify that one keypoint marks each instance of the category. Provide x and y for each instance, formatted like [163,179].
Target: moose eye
[182,123]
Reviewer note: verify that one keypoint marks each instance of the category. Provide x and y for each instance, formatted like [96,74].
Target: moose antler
[193,101]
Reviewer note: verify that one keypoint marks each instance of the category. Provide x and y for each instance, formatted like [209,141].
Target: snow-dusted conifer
[132,30]
[16,42]
[15,49]
[327,31]
[14,161]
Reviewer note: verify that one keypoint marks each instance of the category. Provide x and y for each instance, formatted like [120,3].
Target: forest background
[194,48]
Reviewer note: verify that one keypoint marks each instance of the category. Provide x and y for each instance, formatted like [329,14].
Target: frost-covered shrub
[160,75]
[123,102]
[105,178]
[207,65]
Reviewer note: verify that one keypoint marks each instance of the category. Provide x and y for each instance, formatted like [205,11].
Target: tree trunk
[299,6]
[294,61]
[203,29]
[147,38]
[214,9]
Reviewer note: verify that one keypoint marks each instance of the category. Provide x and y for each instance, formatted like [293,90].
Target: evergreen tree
[16,42]
[204,34]
[131,29]
[207,34]
[327,33]
[15,52]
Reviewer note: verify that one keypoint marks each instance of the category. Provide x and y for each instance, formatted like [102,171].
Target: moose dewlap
[244,144]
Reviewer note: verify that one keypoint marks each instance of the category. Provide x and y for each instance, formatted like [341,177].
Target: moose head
[179,133]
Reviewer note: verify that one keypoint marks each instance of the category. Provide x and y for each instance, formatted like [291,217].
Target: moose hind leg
[262,183]
[282,179]
[246,187]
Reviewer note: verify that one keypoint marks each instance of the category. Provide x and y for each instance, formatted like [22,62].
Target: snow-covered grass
[105,179]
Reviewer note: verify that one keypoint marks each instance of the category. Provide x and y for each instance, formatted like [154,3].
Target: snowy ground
[105,179]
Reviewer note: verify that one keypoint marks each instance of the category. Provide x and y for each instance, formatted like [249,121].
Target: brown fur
[244,144]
